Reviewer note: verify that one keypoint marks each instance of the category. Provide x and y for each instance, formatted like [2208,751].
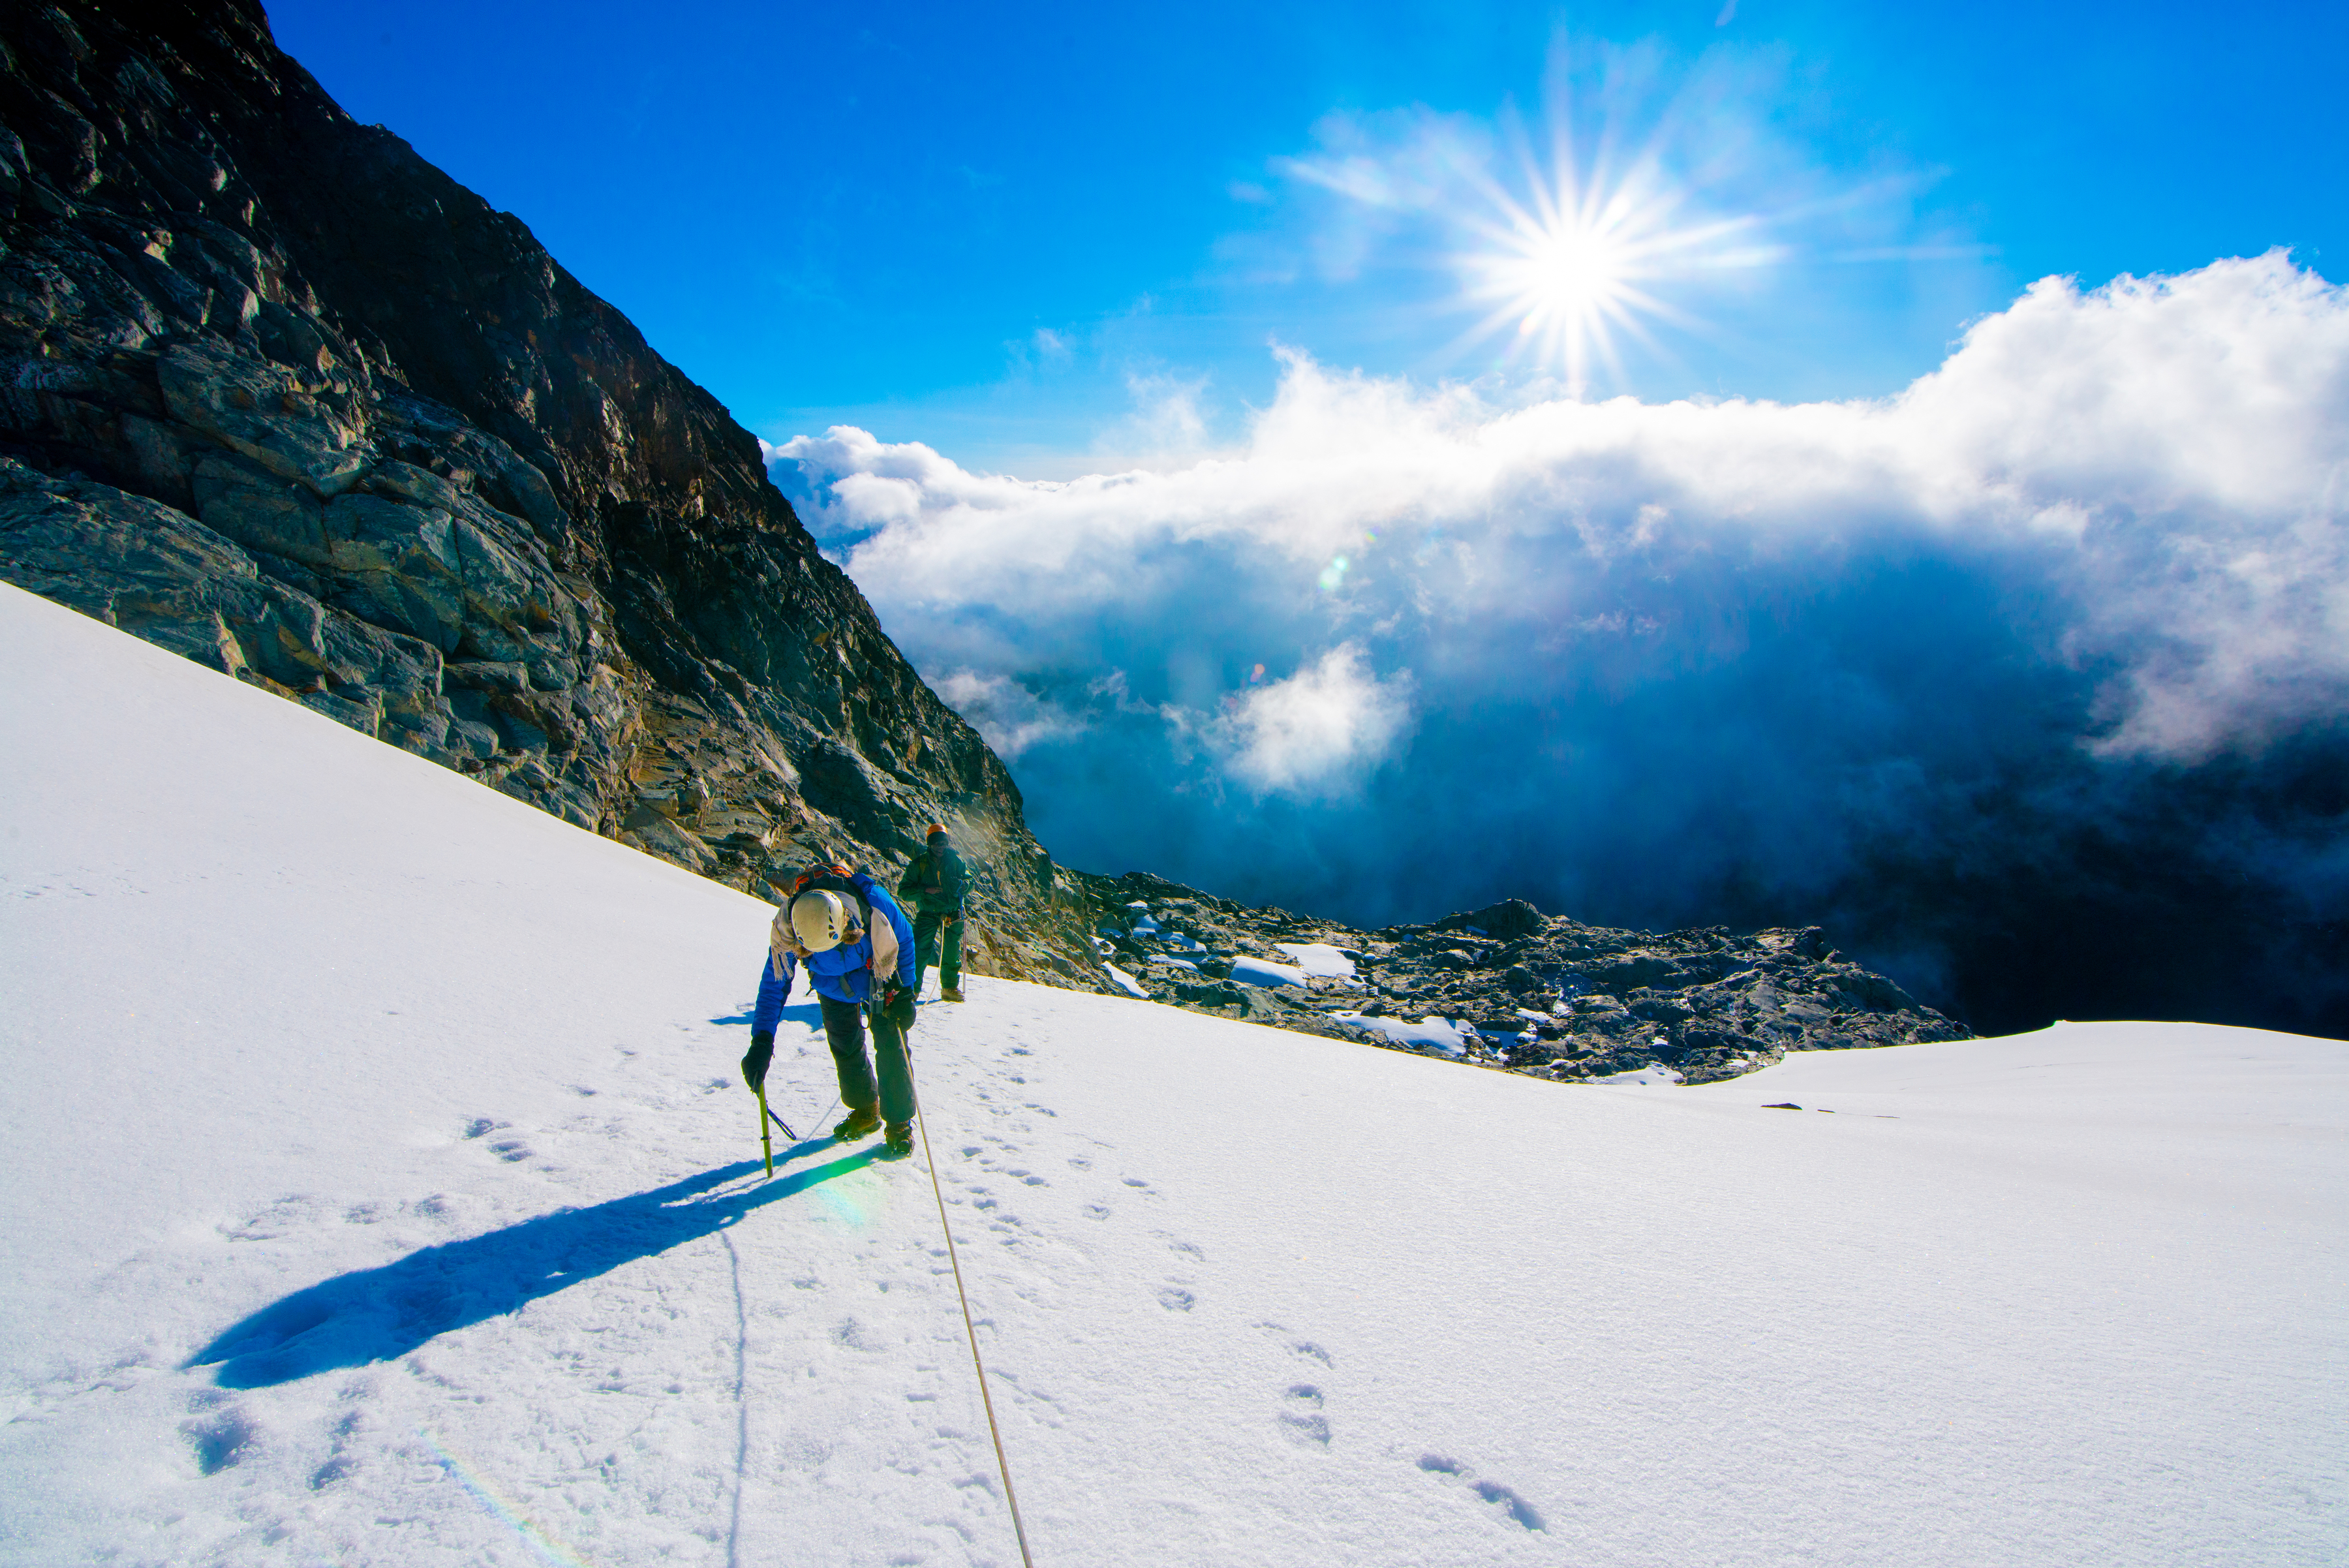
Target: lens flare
[542,1541]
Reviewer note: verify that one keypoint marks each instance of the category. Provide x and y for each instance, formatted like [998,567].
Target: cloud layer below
[2069,616]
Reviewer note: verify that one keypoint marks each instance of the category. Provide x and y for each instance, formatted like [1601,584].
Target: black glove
[754,1063]
[897,1006]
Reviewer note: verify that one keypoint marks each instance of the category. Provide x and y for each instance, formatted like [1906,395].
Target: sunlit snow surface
[412,1114]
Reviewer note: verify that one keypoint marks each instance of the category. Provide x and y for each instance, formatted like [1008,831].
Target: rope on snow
[1001,1464]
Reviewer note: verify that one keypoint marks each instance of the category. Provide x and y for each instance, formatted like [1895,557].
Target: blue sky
[1875,466]
[1044,237]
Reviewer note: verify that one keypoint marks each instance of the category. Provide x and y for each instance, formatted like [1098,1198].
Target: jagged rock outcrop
[279,395]
[1507,986]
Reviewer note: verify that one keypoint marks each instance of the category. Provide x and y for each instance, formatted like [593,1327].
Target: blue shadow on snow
[379,1315]
[810,1013]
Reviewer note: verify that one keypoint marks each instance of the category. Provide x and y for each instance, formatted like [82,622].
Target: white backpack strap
[781,939]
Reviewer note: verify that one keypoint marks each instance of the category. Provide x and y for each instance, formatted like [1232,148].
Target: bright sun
[1566,272]
[1572,275]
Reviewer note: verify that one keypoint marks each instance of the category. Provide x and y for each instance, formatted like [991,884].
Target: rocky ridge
[277,394]
[1507,986]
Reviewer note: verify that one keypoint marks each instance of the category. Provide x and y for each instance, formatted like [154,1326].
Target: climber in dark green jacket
[934,885]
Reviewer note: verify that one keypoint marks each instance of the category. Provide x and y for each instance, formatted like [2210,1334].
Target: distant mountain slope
[280,396]
[376,1189]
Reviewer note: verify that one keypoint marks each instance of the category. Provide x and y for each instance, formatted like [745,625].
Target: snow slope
[378,1189]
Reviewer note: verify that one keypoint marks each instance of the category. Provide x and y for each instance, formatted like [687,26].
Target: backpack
[880,937]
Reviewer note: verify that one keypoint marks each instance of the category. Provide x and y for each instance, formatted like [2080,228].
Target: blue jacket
[845,972]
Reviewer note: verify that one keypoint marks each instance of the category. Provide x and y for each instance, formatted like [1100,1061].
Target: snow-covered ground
[378,1189]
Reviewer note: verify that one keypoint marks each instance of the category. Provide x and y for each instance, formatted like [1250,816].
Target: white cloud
[1009,716]
[1307,733]
[2152,471]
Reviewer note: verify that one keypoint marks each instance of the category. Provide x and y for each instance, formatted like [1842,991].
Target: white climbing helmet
[822,920]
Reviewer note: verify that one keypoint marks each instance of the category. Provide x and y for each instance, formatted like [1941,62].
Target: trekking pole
[766,1138]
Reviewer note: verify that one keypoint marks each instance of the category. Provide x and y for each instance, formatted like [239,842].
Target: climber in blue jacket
[858,951]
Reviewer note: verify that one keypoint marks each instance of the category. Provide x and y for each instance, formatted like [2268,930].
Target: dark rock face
[280,396]
[1546,996]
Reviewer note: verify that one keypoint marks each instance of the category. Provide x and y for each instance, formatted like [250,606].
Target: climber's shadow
[377,1314]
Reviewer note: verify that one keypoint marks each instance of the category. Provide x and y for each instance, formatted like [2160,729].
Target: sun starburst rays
[1567,267]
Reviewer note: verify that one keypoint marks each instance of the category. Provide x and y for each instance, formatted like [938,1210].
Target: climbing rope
[994,1431]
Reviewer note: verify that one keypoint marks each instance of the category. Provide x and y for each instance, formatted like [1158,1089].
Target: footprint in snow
[1304,1347]
[1301,1418]
[1515,1509]
[1175,1300]
[339,1463]
[217,1432]
[276,1221]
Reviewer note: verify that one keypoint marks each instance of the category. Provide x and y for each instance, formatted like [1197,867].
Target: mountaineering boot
[862,1120]
[950,993]
[899,1141]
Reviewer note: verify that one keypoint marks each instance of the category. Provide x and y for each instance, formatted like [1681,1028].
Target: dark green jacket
[936,883]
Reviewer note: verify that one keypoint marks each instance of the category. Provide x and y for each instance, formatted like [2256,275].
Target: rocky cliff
[278,394]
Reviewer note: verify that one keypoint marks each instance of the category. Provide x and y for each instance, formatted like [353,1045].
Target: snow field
[413,1113]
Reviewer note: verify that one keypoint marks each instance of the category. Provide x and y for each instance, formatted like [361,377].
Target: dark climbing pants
[927,931]
[843,1030]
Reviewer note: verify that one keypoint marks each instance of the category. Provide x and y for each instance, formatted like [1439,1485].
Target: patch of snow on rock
[1320,959]
[1653,1073]
[1264,971]
[1429,1030]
